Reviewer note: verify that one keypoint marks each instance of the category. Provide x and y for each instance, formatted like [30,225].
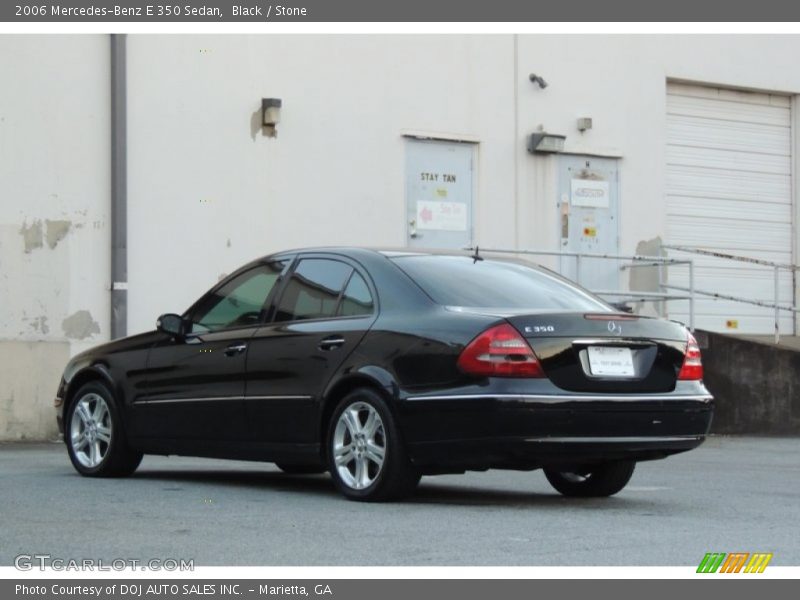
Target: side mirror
[170,323]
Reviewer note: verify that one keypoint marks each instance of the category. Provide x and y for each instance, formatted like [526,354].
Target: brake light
[692,368]
[500,352]
[610,317]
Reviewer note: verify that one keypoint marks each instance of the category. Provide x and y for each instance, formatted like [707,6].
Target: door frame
[617,160]
[422,136]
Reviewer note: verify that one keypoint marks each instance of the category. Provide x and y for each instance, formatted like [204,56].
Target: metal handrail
[775,266]
[643,295]
[746,259]
[634,257]
[660,261]
[734,298]
[636,260]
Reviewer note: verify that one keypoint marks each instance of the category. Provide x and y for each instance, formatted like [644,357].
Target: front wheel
[94,435]
[593,481]
[366,457]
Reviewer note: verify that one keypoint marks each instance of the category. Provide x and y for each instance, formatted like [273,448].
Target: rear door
[325,307]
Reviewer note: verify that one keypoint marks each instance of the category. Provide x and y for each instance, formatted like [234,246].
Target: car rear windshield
[462,281]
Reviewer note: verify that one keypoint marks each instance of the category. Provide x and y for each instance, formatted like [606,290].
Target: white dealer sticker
[613,362]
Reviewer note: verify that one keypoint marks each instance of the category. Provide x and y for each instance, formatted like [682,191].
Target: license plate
[608,361]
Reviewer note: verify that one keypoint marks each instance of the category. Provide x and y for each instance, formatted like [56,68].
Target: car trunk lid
[605,352]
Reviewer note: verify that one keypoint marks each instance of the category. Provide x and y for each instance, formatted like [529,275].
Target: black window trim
[356,267]
[265,307]
[344,289]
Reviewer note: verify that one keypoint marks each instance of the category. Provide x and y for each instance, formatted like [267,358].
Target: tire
[301,469]
[95,436]
[592,482]
[366,457]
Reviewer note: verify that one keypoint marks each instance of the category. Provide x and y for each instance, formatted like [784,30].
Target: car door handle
[331,343]
[235,349]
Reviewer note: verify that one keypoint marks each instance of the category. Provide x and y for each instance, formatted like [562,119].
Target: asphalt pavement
[731,494]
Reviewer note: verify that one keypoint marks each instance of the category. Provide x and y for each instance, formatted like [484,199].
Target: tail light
[692,368]
[500,352]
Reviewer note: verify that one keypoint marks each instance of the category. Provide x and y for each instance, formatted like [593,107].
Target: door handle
[235,349]
[331,343]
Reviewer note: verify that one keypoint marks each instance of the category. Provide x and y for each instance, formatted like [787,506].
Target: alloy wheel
[359,445]
[90,430]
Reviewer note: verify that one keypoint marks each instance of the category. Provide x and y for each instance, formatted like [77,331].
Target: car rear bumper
[458,432]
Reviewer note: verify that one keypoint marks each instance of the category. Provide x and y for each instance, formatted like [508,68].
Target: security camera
[538,79]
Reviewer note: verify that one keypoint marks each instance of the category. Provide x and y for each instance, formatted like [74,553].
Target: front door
[439,193]
[589,224]
[196,384]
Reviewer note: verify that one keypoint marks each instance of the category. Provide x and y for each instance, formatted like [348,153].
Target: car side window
[239,302]
[356,299]
[313,290]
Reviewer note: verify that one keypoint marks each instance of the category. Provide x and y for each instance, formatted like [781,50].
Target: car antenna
[476,257]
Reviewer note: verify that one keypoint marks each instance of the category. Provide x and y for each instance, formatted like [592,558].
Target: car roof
[361,250]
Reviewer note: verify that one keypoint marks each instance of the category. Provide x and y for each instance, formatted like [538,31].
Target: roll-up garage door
[729,184]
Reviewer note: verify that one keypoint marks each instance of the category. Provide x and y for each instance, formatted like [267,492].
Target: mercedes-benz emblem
[615,328]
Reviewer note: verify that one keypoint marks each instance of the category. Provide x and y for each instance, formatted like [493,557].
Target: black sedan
[381,367]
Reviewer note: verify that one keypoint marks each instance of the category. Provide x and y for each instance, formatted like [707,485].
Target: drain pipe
[119,190]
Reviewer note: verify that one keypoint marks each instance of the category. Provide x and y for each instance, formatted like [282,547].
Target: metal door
[589,220]
[439,192]
[729,190]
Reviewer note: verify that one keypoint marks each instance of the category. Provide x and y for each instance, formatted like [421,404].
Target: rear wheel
[593,481]
[301,469]
[366,457]
[94,435]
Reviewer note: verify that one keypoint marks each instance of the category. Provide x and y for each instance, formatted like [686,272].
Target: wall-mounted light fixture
[271,112]
[546,143]
[538,79]
[584,123]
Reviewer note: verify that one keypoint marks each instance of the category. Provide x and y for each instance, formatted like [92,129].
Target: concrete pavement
[731,494]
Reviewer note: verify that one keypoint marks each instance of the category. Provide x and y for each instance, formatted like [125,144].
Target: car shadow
[283,482]
[429,491]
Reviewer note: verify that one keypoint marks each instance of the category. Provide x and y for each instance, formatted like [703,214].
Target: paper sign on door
[442,216]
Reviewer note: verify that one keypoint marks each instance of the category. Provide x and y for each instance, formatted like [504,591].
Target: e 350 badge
[539,329]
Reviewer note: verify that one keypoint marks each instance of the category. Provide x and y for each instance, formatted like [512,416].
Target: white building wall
[620,82]
[54,240]
[208,191]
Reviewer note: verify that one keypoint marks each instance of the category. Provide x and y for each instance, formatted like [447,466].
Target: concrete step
[755,382]
[789,342]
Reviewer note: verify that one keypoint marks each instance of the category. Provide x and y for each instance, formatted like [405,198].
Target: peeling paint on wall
[56,231]
[32,235]
[80,325]
[26,402]
[646,279]
[39,324]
